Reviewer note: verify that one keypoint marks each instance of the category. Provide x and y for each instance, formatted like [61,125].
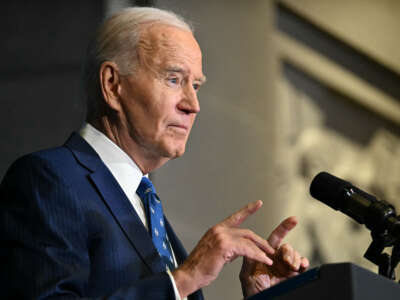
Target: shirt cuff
[177,295]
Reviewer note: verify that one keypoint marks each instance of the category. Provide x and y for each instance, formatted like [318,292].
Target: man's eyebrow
[178,69]
[175,69]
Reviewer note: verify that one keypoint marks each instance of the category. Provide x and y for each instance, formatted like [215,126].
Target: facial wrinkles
[149,48]
[150,108]
[146,51]
[157,55]
[140,135]
[156,52]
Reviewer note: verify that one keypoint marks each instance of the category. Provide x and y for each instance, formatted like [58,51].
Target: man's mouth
[179,127]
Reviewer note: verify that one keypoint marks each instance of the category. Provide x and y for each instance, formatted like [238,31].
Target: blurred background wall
[294,87]
[42,46]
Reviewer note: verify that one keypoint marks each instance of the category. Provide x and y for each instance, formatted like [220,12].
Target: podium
[344,281]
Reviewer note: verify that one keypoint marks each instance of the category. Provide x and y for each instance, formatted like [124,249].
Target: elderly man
[83,220]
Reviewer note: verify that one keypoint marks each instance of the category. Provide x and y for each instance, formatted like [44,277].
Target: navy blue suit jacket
[67,231]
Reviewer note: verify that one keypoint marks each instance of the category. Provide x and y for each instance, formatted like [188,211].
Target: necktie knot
[145,187]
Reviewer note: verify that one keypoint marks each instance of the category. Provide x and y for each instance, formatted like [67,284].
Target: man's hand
[256,277]
[220,245]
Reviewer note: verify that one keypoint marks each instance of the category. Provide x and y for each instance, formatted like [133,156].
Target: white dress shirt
[125,171]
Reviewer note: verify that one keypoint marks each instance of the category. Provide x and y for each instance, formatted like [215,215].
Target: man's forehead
[168,38]
[170,47]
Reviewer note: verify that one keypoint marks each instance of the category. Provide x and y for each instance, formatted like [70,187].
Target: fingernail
[253,206]
[257,203]
[286,258]
[269,261]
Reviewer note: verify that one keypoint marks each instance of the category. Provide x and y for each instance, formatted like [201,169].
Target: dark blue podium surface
[344,281]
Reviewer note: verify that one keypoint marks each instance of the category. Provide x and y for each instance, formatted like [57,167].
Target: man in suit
[82,221]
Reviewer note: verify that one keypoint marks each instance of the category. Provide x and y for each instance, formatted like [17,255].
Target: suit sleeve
[43,240]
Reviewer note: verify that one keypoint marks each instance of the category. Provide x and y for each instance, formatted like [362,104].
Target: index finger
[276,237]
[241,215]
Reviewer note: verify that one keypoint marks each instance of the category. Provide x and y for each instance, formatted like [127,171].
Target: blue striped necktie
[155,219]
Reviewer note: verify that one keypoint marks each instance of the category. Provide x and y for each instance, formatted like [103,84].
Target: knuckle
[229,256]
[222,244]
[216,230]
[236,218]
[218,235]
[248,232]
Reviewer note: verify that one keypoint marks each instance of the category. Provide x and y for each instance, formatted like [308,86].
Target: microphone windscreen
[329,189]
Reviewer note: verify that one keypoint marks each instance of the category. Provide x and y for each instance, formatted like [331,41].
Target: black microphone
[378,216]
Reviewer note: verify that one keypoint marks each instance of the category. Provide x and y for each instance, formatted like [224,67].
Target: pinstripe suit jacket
[67,231]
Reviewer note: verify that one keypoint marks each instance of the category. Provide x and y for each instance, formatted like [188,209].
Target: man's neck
[145,161]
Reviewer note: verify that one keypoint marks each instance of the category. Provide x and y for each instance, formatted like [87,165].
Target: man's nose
[190,102]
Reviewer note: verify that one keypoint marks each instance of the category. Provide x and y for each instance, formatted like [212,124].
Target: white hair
[116,41]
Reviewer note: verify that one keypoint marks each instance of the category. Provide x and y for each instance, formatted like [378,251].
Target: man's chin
[171,148]
[176,152]
[174,148]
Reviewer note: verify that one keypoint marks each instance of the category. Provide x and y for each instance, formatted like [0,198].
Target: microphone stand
[386,263]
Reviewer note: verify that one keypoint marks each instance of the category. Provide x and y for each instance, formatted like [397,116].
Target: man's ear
[109,82]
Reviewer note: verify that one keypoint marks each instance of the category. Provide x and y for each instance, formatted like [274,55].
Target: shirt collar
[122,167]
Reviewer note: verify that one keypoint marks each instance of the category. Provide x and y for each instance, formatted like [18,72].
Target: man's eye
[196,86]
[173,80]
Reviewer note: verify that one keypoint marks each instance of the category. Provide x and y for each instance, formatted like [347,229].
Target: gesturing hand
[221,244]
[256,276]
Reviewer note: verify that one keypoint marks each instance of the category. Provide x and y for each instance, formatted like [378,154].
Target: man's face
[159,101]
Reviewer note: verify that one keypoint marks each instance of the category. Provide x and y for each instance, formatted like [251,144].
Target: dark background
[43,47]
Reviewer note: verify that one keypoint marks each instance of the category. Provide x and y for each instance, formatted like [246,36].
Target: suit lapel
[117,202]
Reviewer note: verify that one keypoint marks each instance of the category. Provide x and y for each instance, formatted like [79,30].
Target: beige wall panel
[311,142]
[229,158]
[370,25]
